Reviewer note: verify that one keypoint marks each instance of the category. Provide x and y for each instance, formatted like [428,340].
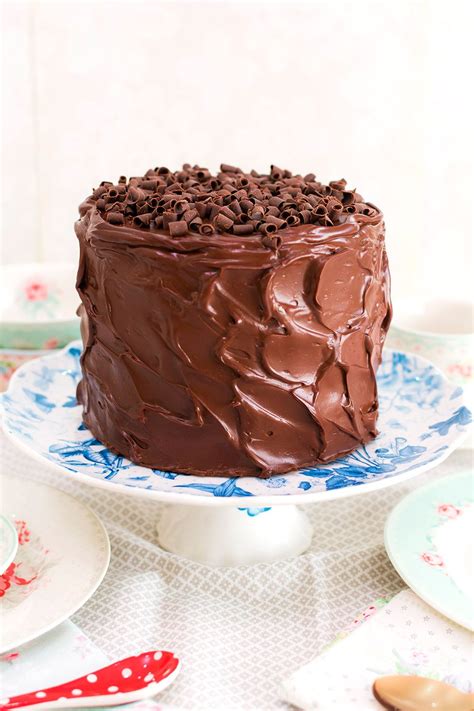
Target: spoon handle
[127,680]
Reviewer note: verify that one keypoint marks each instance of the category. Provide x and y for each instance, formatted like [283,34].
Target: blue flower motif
[275,482]
[305,485]
[82,454]
[164,475]
[462,416]
[41,401]
[255,511]
[227,488]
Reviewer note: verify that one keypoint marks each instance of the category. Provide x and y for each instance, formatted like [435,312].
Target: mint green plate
[429,539]
[8,543]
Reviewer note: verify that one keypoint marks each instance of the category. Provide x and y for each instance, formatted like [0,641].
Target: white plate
[62,557]
[429,537]
[422,419]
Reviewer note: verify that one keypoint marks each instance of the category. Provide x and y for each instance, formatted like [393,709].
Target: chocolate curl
[178,228]
[181,206]
[276,201]
[256,194]
[229,168]
[275,221]
[157,222]
[115,218]
[243,229]
[348,197]
[206,229]
[276,173]
[135,195]
[267,228]
[272,210]
[162,171]
[334,204]
[271,241]
[246,205]
[114,207]
[224,210]
[105,183]
[258,212]
[203,174]
[235,207]
[222,222]
[313,200]
[149,184]
[213,211]
[292,220]
[309,178]
[351,209]
[96,194]
[338,184]
[305,216]
[100,204]
[142,220]
[168,217]
[194,224]
[319,211]
[189,215]
[242,219]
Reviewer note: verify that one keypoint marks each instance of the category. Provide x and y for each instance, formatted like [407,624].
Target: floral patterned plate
[62,556]
[429,537]
[422,419]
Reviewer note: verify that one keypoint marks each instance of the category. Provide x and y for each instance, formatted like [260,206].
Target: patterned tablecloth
[238,631]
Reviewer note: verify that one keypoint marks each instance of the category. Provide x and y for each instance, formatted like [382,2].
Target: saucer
[63,554]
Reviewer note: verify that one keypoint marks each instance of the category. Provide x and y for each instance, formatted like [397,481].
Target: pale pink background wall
[373,90]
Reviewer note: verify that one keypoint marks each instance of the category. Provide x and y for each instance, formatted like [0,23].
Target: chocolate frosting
[218,354]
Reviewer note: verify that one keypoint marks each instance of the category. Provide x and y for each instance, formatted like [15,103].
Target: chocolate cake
[232,323]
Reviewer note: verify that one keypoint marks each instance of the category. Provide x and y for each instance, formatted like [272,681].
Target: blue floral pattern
[422,417]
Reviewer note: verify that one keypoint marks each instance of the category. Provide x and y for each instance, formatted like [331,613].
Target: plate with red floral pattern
[429,537]
[63,554]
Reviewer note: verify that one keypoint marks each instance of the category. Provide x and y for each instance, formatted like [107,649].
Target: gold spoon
[416,693]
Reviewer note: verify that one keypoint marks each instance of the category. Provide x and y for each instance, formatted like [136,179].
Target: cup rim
[431,334]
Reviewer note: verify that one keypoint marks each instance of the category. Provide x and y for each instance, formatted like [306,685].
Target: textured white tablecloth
[238,631]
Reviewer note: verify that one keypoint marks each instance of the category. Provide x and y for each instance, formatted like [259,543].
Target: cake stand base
[234,536]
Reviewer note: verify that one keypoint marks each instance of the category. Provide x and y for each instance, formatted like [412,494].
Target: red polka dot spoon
[417,693]
[131,679]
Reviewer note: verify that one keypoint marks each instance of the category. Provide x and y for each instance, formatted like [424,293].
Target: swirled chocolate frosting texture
[232,324]
[218,355]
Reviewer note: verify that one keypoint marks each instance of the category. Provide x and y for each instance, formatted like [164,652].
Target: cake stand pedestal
[234,536]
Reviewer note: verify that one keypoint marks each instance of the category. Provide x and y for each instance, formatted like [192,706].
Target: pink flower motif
[448,510]
[23,532]
[433,559]
[51,343]
[36,291]
[9,657]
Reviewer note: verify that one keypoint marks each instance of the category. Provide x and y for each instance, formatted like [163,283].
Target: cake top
[194,200]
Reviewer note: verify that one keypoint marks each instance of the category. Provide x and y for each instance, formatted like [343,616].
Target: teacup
[38,305]
[441,331]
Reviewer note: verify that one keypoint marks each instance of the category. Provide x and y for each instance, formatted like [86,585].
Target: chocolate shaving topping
[191,200]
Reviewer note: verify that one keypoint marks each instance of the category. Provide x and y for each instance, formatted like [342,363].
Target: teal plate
[429,539]
[8,543]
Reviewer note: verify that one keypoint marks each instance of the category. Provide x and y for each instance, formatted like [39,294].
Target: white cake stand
[239,521]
